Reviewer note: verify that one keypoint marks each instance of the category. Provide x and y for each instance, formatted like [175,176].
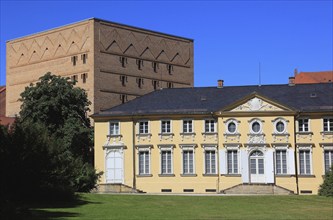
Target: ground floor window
[144,162]
[166,162]
[304,162]
[328,157]
[210,162]
[188,167]
[281,161]
[232,157]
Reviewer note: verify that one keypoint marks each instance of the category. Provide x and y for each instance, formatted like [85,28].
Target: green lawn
[97,206]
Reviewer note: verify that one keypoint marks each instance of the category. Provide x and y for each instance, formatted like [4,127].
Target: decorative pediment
[256,104]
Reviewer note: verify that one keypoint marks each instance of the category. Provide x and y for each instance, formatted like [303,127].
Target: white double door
[114,166]
[257,167]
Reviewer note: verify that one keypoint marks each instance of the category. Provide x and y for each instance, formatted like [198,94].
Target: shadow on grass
[44,209]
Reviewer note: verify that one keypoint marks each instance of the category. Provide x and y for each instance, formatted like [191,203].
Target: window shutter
[269,162]
[244,165]
[223,161]
[291,162]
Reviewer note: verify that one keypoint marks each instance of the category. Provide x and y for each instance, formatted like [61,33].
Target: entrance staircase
[259,189]
[115,188]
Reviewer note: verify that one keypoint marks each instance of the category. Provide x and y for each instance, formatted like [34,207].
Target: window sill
[232,134]
[306,176]
[210,174]
[280,134]
[166,175]
[232,175]
[190,133]
[209,133]
[114,135]
[326,133]
[144,135]
[188,175]
[166,134]
[144,175]
[304,132]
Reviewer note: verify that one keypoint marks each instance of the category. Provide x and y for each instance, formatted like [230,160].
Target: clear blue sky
[230,37]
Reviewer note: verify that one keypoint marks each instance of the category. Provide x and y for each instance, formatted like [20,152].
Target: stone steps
[115,188]
[260,189]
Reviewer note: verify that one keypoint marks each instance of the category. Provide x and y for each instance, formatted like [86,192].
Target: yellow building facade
[219,140]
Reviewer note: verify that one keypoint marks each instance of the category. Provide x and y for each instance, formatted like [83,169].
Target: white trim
[226,124]
[328,126]
[285,124]
[209,147]
[138,129]
[304,147]
[329,148]
[166,148]
[204,125]
[143,148]
[107,151]
[260,122]
[309,124]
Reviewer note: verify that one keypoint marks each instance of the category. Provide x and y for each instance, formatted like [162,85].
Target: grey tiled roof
[205,100]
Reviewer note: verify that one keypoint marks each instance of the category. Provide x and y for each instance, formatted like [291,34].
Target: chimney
[291,81]
[220,83]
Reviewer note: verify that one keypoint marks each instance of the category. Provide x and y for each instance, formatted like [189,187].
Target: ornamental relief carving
[257,139]
[256,104]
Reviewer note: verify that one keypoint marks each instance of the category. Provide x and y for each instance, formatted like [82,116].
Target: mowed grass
[98,206]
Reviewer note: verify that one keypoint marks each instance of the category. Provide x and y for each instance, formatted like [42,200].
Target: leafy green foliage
[326,189]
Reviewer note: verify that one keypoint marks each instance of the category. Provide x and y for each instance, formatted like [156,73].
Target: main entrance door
[114,167]
[257,168]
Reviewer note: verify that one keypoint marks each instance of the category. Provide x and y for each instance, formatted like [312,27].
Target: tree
[55,103]
[326,189]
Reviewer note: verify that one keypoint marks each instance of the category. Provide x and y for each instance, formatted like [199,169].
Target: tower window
[155,66]
[139,81]
[155,84]
[169,85]
[74,78]
[84,58]
[84,77]
[123,61]
[170,68]
[123,98]
[74,60]
[139,63]
[123,80]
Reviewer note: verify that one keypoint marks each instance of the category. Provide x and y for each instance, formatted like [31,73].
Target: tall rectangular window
[281,161]
[304,162]
[303,125]
[166,162]
[188,162]
[187,126]
[328,157]
[328,124]
[143,127]
[114,128]
[210,162]
[232,158]
[210,126]
[165,126]
[144,165]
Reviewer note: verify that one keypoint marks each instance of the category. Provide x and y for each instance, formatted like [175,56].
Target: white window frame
[328,125]
[285,124]
[209,121]
[275,159]
[298,125]
[260,123]
[187,148]
[210,148]
[144,149]
[232,147]
[162,120]
[114,122]
[231,120]
[327,147]
[148,127]
[182,129]
[166,148]
[304,148]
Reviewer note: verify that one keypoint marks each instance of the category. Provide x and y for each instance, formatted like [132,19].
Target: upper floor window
[231,126]
[303,125]
[280,125]
[143,127]
[139,81]
[114,128]
[169,85]
[155,84]
[328,124]
[256,126]
[155,66]
[165,126]
[123,80]
[210,126]
[123,98]
[187,126]
[74,79]
[170,68]
[84,77]
[74,60]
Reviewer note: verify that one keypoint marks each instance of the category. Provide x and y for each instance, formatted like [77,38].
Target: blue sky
[231,38]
